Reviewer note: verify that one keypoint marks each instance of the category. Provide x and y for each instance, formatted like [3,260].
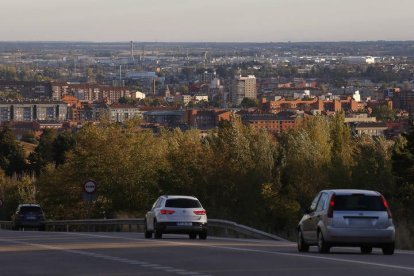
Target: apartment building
[243,87]
[89,92]
[274,123]
[122,112]
[28,111]
[28,89]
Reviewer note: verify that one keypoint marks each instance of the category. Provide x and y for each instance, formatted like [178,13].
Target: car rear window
[32,209]
[182,203]
[357,202]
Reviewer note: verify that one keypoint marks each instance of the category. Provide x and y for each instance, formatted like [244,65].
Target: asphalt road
[60,253]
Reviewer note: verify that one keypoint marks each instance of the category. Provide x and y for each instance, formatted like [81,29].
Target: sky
[206,21]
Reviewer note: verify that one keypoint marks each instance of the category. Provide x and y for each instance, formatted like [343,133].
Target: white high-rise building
[243,87]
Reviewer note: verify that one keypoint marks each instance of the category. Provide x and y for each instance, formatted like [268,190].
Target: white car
[176,214]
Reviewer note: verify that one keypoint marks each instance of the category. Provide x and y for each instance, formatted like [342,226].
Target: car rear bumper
[174,227]
[349,236]
[29,223]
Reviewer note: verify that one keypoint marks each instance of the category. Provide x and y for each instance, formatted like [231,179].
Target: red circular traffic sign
[89,186]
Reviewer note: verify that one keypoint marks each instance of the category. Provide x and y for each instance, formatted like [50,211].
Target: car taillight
[200,213]
[331,206]
[386,206]
[167,212]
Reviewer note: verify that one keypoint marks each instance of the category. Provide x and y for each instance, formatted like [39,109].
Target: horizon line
[209,42]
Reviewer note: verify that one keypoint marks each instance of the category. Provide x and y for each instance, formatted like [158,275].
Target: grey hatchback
[347,218]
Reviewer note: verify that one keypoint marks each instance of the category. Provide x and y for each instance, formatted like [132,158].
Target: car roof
[179,196]
[29,205]
[352,191]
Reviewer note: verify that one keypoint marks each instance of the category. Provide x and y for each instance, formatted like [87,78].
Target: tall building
[243,87]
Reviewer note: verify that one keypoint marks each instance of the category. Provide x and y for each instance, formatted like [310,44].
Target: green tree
[12,159]
[43,153]
[64,142]
[248,102]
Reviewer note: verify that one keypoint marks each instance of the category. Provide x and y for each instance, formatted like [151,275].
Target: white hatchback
[176,214]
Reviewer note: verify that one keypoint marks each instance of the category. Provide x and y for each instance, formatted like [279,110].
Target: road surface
[61,253]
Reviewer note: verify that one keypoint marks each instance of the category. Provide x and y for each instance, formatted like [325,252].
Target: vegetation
[238,173]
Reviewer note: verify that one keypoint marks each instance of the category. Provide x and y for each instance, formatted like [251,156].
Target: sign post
[89,195]
[89,190]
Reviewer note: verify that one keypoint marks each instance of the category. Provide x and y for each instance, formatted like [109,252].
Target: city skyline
[208,21]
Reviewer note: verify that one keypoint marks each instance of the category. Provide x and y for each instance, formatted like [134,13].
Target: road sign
[89,187]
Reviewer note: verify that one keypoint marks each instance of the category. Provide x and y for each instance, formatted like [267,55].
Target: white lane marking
[107,257]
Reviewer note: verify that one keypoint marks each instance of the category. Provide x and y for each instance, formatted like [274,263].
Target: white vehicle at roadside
[176,214]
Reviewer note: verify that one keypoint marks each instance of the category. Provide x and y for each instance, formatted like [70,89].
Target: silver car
[178,215]
[345,217]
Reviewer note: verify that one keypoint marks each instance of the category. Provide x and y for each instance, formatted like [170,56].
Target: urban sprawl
[270,86]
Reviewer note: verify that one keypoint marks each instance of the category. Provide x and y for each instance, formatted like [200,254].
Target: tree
[384,113]
[64,142]
[248,102]
[306,159]
[43,153]
[12,159]
[341,151]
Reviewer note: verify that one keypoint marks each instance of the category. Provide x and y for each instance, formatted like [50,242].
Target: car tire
[388,249]
[302,245]
[366,249]
[202,235]
[157,231]
[147,233]
[192,236]
[323,247]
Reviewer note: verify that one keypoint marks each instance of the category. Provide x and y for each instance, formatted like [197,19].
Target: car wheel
[366,249]
[147,233]
[302,245]
[388,249]
[192,236]
[157,231]
[323,247]
[202,235]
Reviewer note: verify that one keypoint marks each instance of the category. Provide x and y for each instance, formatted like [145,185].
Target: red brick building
[274,123]
[206,119]
[347,104]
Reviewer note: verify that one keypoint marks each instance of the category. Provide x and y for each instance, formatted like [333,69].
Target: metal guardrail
[217,227]
[6,225]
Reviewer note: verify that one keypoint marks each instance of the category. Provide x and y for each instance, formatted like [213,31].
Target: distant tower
[132,50]
[143,53]
[167,92]
[205,57]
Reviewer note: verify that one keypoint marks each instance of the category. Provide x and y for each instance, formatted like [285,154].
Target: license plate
[31,217]
[184,224]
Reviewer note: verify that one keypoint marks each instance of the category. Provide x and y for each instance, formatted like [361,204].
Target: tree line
[238,173]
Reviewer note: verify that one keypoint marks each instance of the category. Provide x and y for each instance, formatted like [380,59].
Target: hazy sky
[207,20]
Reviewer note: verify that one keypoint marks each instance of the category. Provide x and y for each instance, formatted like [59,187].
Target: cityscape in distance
[290,124]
